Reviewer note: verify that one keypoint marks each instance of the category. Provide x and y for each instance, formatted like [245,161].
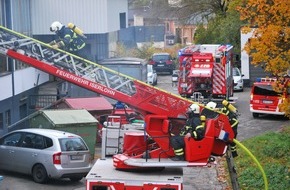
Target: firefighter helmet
[56,26]
[211,105]
[193,108]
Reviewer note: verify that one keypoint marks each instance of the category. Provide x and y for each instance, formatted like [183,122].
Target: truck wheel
[255,115]
[39,174]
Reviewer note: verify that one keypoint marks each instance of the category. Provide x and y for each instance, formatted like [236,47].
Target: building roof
[90,104]
[60,117]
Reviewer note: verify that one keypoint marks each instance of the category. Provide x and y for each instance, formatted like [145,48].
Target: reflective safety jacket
[232,118]
[195,127]
[70,40]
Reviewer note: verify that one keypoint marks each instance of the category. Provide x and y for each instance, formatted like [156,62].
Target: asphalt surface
[196,178]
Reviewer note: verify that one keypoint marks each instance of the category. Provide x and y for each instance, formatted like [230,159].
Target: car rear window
[160,57]
[72,144]
[265,90]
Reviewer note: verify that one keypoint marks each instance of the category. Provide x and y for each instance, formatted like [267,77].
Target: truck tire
[255,115]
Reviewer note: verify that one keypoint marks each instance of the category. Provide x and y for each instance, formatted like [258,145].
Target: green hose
[257,162]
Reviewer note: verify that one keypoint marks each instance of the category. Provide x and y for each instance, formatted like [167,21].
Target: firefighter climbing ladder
[138,95]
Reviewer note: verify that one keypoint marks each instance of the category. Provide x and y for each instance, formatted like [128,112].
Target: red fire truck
[150,150]
[206,72]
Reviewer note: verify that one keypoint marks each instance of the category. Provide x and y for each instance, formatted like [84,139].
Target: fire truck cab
[264,99]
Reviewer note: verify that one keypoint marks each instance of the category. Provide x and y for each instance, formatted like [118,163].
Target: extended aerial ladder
[157,106]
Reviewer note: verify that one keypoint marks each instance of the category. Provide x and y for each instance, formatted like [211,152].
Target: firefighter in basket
[193,128]
[70,39]
[232,113]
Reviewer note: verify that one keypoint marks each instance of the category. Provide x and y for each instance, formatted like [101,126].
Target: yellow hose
[254,158]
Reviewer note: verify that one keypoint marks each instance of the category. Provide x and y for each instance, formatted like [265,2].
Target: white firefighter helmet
[55,26]
[194,108]
[211,105]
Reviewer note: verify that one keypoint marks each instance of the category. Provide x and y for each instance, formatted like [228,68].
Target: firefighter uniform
[194,127]
[234,124]
[70,41]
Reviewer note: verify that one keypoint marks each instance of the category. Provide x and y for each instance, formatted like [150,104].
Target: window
[7,118]
[11,140]
[27,141]
[265,90]
[72,144]
[3,65]
[122,20]
[48,142]
[1,121]
[161,57]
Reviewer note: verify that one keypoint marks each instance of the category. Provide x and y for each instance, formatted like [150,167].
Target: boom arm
[138,95]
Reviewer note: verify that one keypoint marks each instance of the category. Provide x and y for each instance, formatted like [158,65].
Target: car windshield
[160,57]
[236,72]
[265,90]
[149,68]
[72,144]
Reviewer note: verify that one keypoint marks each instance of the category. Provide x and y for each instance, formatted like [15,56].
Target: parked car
[45,154]
[238,79]
[151,75]
[162,62]
[264,99]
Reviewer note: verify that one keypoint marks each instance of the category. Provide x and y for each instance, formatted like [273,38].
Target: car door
[9,146]
[26,154]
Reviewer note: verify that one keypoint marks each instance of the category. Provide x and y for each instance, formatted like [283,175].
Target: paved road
[194,178]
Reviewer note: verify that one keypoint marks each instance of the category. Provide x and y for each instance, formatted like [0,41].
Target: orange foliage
[269,20]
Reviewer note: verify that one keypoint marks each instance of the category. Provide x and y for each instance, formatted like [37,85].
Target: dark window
[7,118]
[161,57]
[11,140]
[1,121]
[72,144]
[39,142]
[48,142]
[3,65]
[122,20]
[28,141]
[265,90]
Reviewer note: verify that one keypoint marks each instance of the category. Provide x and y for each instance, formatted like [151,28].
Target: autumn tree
[269,20]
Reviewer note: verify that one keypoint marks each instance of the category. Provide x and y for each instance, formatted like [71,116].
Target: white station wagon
[45,154]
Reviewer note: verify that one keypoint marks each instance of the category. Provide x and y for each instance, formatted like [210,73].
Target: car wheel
[75,178]
[39,174]
[255,115]
[155,82]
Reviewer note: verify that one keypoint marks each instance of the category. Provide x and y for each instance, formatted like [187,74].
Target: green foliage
[223,28]
[273,151]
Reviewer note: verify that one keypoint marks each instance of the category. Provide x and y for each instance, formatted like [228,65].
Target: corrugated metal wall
[20,16]
[101,16]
